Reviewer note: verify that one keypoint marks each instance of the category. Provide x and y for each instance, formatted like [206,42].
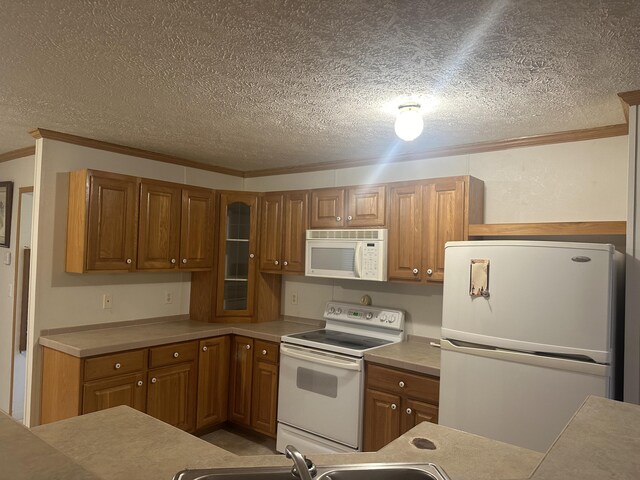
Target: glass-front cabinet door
[237,254]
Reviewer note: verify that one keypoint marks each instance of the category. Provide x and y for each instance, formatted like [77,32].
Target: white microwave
[350,253]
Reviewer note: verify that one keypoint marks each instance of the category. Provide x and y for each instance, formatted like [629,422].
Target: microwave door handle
[357,262]
[319,358]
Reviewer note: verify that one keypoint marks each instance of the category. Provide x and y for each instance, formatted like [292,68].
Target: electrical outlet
[294,298]
[107,301]
[168,297]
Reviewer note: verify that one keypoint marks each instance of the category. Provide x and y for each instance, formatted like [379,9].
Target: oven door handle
[320,358]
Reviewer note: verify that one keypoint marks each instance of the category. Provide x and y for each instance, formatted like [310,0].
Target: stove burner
[341,339]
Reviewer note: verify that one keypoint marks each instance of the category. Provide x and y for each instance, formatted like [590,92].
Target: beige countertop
[88,342]
[25,456]
[417,355]
[153,450]
[601,441]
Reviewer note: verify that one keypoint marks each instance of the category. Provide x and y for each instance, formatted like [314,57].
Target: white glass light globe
[409,123]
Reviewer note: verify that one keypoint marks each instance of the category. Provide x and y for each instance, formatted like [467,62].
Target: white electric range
[321,392]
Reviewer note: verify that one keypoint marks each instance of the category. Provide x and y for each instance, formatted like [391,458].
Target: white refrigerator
[528,332]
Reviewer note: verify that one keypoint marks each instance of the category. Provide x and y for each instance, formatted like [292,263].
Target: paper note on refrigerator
[479,278]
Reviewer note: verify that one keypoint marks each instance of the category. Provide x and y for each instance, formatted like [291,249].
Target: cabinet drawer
[402,382]
[116,364]
[266,351]
[173,354]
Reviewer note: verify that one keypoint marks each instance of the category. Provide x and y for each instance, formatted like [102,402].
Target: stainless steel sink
[365,471]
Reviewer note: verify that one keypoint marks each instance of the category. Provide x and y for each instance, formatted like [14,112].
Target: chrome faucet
[303,468]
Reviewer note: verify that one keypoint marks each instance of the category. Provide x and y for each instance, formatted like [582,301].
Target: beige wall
[20,172]
[575,181]
[60,299]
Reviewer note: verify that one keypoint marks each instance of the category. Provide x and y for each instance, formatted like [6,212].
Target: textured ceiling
[254,84]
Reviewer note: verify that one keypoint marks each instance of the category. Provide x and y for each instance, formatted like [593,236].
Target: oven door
[321,393]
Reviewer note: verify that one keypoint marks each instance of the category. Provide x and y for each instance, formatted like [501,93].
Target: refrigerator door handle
[525,358]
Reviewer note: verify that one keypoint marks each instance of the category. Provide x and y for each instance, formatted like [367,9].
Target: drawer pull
[139,383]
[276,262]
[128,261]
[176,354]
[415,271]
[117,366]
[247,346]
[154,380]
[393,406]
[173,261]
[204,349]
[338,219]
[264,352]
[409,411]
[184,260]
[401,384]
[429,272]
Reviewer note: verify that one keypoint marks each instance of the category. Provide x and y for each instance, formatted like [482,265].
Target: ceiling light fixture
[409,122]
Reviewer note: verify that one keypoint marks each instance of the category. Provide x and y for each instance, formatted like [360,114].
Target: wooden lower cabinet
[127,390]
[253,384]
[213,381]
[395,402]
[171,395]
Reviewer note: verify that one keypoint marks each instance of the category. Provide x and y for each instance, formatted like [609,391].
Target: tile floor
[240,442]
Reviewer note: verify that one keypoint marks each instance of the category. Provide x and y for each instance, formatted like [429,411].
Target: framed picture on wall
[6,197]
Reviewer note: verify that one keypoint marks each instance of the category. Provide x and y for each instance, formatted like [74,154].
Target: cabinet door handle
[264,352]
[139,383]
[415,271]
[251,255]
[285,263]
[247,346]
[338,219]
[128,261]
[349,217]
[393,406]
[204,349]
[184,260]
[429,271]
[277,262]
[154,380]
[176,354]
[173,261]
[117,366]
[401,384]
[409,411]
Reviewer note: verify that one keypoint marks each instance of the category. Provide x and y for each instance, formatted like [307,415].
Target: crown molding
[19,153]
[132,151]
[482,147]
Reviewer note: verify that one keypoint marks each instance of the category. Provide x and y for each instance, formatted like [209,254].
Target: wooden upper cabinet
[118,223]
[159,226]
[196,233]
[366,206]
[423,217]
[237,249]
[352,207]
[327,208]
[175,228]
[101,222]
[404,249]
[271,233]
[296,222]
[284,223]
[445,214]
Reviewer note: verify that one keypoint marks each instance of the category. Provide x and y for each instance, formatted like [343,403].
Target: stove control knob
[392,319]
[332,310]
[338,310]
[369,316]
[383,318]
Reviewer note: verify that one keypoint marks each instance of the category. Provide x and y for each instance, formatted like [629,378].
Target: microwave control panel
[370,260]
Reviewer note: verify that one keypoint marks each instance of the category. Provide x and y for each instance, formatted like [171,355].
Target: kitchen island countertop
[601,441]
